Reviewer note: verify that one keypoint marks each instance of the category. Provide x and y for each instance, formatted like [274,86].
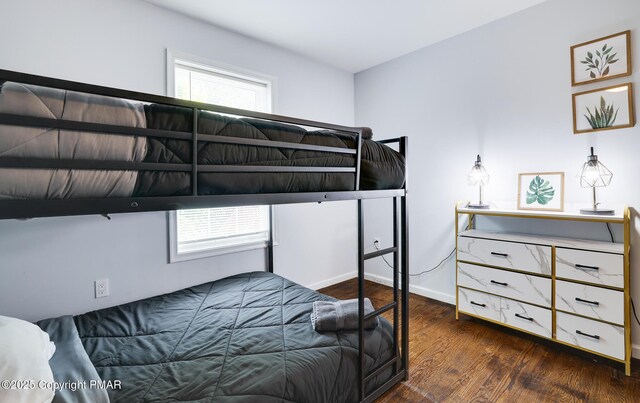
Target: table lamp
[592,175]
[478,176]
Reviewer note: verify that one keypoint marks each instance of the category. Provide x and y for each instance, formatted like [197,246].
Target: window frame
[222,69]
[217,68]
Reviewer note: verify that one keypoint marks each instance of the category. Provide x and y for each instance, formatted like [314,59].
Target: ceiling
[352,35]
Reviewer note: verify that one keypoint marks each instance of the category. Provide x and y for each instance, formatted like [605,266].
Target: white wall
[504,91]
[47,266]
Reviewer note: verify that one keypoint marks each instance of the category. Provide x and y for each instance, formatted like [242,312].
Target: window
[208,232]
[200,83]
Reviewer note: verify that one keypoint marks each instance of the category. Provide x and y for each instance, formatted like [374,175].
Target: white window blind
[205,232]
[215,228]
[199,83]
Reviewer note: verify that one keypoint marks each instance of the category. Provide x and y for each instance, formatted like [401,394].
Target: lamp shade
[478,175]
[593,173]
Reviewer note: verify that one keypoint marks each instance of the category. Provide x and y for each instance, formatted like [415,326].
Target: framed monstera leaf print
[601,59]
[541,191]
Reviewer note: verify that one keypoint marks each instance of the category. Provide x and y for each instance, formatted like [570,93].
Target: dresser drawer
[526,317]
[479,303]
[522,287]
[590,267]
[511,255]
[587,300]
[589,334]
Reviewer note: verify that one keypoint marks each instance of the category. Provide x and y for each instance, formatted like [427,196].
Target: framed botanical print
[601,59]
[541,191]
[603,109]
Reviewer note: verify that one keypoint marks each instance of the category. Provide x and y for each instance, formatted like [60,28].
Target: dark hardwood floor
[473,361]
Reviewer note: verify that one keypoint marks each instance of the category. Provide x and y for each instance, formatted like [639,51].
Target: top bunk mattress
[381,166]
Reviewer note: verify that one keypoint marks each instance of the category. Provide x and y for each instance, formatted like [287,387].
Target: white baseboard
[635,351]
[416,289]
[425,292]
[332,281]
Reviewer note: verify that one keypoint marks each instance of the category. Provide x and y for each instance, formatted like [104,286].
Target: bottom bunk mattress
[245,338]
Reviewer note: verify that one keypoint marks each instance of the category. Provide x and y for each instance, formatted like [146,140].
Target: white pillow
[25,352]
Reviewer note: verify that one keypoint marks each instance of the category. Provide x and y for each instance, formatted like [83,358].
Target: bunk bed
[69,148]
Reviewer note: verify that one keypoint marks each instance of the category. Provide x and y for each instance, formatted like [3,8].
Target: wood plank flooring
[474,361]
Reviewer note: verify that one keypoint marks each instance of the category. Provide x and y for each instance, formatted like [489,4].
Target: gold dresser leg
[627,290]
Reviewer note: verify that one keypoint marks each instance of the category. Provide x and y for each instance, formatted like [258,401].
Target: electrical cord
[375,245]
[610,232]
[434,267]
[633,307]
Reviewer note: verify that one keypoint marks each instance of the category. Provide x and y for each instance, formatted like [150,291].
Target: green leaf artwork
[599,65]
[602,117]
[540,191]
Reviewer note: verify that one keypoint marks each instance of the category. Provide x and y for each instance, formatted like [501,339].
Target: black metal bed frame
[12,209]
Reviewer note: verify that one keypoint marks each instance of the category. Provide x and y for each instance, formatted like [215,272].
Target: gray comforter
[381,167]
[245,338]
[18,141]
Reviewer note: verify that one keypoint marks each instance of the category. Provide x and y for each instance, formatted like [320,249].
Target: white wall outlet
[102,288]
[377,241]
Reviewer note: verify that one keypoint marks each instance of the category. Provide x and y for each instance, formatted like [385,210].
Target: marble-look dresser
[572,291]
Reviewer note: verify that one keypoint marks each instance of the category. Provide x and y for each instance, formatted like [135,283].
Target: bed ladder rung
[381,368]
[380,311]
[380,253]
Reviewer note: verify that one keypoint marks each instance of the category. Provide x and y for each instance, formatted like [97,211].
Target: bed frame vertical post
[194,154]
[361,355]
[404,239]
[358,159]
[270,242]
[396,270]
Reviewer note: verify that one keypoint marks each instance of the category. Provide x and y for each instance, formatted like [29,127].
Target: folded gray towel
[340,315]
